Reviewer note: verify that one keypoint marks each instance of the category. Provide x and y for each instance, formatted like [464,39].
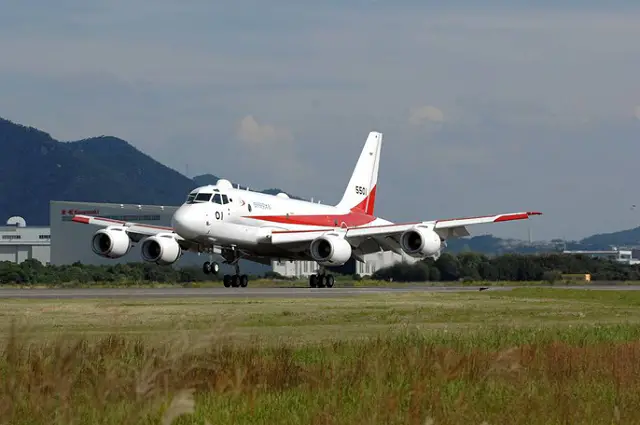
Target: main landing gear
[235,280]
[230,256]
[321,280]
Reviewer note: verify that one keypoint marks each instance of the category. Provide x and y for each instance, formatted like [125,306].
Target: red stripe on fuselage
[359,215]
[352,219]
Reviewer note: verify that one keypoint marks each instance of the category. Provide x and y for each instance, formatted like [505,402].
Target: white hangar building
[19,242]
[372,263]
[71,242]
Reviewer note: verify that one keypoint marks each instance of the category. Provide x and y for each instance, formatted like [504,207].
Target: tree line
[473,266]
[33,272]
[467,266]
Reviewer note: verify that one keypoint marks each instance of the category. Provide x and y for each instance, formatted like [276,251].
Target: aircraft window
[203,197]
[225,200]
[190,198]
[216,199]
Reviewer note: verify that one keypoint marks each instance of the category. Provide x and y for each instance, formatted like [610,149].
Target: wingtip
[534,213]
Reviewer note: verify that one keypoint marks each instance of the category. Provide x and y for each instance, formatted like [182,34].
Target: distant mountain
[629,237]
[35,168]
[489,244]
[625,239]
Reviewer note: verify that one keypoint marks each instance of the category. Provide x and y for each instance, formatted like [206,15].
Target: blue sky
[485,107]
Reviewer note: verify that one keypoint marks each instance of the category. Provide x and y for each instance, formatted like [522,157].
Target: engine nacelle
[330,250]
[160,249]
[111,242]
[420,242]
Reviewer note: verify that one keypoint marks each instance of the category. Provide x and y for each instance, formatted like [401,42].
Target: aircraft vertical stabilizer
[360,194]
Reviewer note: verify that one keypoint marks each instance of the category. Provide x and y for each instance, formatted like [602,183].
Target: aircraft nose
[185,222]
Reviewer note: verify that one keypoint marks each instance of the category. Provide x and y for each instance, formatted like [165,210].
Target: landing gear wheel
[235,280]
[313,280]
[227,281]
[321,281]
[329,281]
[209,268]
[244,280]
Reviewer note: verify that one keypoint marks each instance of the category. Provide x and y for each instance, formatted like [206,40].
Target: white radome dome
[17,221]
[224,184]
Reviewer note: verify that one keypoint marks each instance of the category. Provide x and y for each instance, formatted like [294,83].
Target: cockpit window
[203,197]
[200,197]
[217,199]
[225,200]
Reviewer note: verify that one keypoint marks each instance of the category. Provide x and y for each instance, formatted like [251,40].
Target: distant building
[19,242]
[71,242]
[619,255]
[373,262]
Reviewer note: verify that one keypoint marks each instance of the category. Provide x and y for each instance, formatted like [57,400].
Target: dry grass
[395,379]
[547,372]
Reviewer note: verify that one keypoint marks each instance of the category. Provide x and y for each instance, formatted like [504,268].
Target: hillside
[629,237]
[488,244]
[35,168]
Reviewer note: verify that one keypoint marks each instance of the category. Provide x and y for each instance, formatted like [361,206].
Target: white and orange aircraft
[241,224]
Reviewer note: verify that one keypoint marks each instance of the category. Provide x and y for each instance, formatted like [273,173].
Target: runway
[150,293]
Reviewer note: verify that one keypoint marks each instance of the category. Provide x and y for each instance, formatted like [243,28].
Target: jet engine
[330,250]
[161,249]
[420,242]
[111,242]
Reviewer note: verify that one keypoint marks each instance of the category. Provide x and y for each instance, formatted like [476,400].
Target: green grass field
[528,356]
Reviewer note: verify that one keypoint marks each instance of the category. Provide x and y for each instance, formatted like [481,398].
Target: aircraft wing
[136,231]
[370,239]
[141,229]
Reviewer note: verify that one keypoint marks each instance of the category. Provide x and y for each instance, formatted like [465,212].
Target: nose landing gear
[231,256]
[210,268]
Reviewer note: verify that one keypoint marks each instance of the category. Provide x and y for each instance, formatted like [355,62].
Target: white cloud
[420,115]
[250,131]
[270,151]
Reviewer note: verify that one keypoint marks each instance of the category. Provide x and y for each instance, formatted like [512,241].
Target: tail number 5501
[361,190]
